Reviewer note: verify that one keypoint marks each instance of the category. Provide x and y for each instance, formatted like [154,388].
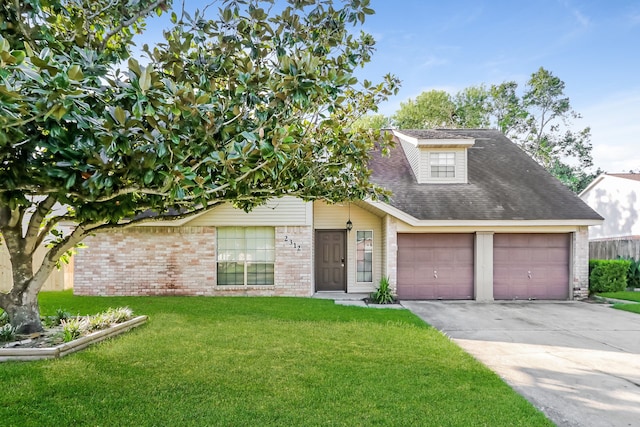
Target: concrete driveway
[577,362]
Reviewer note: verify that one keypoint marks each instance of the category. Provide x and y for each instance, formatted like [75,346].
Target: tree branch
[35,222]
[141,13]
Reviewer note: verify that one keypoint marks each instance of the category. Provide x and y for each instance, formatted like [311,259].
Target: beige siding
[284,211]
[334,217]
[58,280]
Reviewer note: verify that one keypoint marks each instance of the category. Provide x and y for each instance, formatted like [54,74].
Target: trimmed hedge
[608,275]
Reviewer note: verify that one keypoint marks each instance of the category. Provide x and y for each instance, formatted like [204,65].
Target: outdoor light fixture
[349,225]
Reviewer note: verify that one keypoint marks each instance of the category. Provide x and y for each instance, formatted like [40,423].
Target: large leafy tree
[254,104]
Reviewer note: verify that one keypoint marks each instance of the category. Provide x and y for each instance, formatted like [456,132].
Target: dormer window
[436,156]
[442,165]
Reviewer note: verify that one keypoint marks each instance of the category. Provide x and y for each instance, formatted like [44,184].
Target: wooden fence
[58,280]
[611,249]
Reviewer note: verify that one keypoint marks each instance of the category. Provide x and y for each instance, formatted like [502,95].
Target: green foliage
[4,318]
[57,318]
[254,104]
[608,275]
[433,109]
[110,317]
[74,328]
[383,294]
[373,121]
[7,332]
[633,274]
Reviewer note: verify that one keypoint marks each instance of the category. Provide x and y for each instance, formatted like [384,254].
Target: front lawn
[633,308]
[259,361]
[625,295]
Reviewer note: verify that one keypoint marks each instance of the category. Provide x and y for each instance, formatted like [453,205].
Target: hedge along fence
[608,275]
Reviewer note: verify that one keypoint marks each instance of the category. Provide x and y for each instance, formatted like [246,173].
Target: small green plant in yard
[383,294]
[7,333]
[57,318]
[4,318]
[608,275]
[109,317]
[74,328]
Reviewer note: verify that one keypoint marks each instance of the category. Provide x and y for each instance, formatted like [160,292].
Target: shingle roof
[504,184]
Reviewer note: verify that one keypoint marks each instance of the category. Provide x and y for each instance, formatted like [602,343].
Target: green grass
[633,308]
[625,295]
[259,362]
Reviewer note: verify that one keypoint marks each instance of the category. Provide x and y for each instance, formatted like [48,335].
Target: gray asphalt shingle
[504,184]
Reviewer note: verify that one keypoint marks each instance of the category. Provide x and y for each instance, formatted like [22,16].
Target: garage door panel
[531,266]
[435,266]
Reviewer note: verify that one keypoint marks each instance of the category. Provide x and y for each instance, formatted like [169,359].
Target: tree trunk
[23,312]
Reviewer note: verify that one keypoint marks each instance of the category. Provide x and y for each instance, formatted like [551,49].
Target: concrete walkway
[577,362]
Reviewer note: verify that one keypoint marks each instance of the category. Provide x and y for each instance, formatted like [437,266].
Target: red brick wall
[182,261]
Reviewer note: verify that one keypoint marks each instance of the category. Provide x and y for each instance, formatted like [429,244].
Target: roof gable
[504,183]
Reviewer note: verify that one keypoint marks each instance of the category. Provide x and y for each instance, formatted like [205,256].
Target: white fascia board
[462,142]
[403,216]
[592,184]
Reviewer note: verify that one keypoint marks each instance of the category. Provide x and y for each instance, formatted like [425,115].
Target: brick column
[391,251]
[580,263]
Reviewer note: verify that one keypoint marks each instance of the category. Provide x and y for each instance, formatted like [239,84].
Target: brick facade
[580,268]
[182,261]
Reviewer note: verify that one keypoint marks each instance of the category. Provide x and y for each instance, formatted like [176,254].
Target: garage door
[531,266]
[435,266]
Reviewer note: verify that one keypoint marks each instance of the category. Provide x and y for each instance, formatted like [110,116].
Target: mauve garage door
[531,266]
[435,266]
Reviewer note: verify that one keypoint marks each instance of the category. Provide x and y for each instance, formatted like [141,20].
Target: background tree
[430,110]
[539,121]
[373,121]
[252,105]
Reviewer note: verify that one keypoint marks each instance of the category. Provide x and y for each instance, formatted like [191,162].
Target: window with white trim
[364,256]
[442,165]
[246,255]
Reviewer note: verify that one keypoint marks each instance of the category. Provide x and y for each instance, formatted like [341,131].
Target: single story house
[471,217]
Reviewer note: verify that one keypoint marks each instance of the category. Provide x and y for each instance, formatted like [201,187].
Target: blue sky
[593,46]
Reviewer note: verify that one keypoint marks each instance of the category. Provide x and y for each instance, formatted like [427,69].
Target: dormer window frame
[445,162]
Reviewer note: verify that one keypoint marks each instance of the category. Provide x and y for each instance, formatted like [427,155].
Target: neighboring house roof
[632,176]
[504,183]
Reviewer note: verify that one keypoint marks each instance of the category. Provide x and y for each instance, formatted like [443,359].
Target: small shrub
[74,328]
[633,274]
[608,275]
[7,333]
[383,294]
[57,318]
[119,315]
[4,318]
